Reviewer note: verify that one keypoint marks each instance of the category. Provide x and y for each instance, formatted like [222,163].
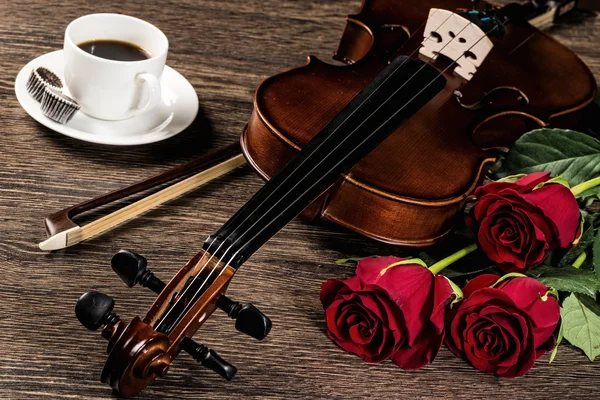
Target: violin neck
[399,91]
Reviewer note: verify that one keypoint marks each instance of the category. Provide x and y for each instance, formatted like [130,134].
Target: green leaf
[593,193]
[596,253]
[561,335]
[426,258]
[451,273]
[348,261]
[557,179]
[574,155]
[589,217]
[512,178]
[568,279]
[457,291]
[581,321]
[409,261]
[581,230]
[587,238]
[508,276]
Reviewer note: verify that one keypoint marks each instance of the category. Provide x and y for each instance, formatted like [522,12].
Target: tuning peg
[95,309]
[208,358]
[132,268]
[248,319]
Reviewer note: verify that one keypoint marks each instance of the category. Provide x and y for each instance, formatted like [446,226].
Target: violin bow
[63,232]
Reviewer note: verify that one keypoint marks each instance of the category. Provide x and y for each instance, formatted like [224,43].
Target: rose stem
[440,265]
[582,187]
[579,260]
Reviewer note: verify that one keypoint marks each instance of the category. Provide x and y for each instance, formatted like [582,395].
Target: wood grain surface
[225,49]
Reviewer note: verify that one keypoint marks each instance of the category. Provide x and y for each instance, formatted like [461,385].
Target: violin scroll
[136,353]
[143,350]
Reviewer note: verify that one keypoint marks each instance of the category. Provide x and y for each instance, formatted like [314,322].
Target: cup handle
[155,91]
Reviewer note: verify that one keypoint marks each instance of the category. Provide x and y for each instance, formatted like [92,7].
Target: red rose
[503,330]
[517,225]
[384,311]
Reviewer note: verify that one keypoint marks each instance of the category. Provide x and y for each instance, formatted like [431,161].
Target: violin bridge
[457,38]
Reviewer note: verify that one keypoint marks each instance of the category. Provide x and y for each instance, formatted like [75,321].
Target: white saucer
[177,110]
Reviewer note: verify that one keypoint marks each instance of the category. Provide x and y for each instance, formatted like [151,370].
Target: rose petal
[442,293]
[422,352]
[482,281]
[545,347]
[523,184]
[530,181]
[368,270]
[454,332]
[525,363]
[387,311]
[526,293]
[332,288]
[513,328]
[410,287]
[559,205]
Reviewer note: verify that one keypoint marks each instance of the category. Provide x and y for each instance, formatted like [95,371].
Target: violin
[405,208]
[388,145]
[410,189]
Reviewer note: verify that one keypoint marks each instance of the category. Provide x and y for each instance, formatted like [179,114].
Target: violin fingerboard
[398,92]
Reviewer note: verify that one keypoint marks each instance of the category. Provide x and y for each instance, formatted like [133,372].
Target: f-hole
[393,37]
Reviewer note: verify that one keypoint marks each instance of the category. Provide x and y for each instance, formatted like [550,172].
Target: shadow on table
[195,140]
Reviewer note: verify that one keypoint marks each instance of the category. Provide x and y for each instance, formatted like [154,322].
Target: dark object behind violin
[337,115]
[409,190]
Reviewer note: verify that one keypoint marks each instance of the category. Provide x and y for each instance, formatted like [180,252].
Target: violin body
[409,190]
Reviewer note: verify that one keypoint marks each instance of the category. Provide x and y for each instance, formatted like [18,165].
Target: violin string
[267,225]
[360,144]
[186,309]
[182,297]
[293,202]
[422,26]
[301,180]
[353,111]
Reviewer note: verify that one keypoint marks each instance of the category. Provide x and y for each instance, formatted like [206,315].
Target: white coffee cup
[109,89]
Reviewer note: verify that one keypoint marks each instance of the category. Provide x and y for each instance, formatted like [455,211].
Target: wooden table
[225,49]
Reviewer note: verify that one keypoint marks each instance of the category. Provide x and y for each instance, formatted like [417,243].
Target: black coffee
[115,50]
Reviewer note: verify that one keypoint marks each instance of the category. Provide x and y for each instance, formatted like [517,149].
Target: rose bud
[504,329]
[518,223]
[393,308]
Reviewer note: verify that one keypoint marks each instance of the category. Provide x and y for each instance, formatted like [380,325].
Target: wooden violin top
[436,159]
